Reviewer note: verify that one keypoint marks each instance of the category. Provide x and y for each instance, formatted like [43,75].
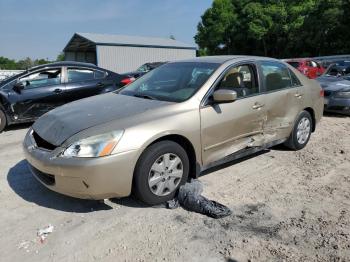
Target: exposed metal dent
[242,153]
[231,140]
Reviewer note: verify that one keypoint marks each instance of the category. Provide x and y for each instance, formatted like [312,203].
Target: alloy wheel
[165,174]
[303,130]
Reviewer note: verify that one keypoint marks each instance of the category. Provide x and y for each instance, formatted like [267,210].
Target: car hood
[334,83]
[62,123]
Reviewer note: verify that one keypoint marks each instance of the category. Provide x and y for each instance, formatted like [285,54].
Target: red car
[308,67]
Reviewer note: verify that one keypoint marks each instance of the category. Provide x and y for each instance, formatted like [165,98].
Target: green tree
[25,63]
[60,57]
[6,63]
[283,28]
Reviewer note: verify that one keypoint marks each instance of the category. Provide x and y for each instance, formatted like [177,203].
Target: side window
[42,79]
[99,74]
[275,75]
[295,79]
[242,79]
[77,75]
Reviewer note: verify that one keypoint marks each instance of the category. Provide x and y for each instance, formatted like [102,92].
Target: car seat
[274,81]
[234,81]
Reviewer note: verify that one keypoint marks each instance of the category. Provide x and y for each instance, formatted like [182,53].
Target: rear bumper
[87,178]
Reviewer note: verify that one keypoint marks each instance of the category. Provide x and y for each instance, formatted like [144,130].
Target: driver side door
[42,91]
[229,127]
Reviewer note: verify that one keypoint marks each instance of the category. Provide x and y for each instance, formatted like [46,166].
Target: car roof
[297,59]
[63,63]
[223,59]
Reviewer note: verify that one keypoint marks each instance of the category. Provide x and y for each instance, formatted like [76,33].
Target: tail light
[322,93]
[127,81]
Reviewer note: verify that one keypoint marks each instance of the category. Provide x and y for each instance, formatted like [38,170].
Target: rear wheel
[301,133]
[160,171]
[3,120]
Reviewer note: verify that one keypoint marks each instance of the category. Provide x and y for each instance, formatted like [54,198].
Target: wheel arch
[312,113]
[186,144]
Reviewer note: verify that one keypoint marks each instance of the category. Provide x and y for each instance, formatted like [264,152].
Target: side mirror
[18,87]
[224,96]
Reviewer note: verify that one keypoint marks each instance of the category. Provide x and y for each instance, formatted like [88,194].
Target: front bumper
[87,178]
[337,105]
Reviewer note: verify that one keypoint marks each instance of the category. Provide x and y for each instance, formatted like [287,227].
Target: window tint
[275,75]
[42,78]
[99,74]
[76,75]
[295,79]
[241,79]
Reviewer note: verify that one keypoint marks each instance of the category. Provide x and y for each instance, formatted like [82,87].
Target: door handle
[297,95]
[100,85]
[258,106]
[57,91]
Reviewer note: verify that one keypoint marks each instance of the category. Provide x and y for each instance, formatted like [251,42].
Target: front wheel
[2,120]
[301,133]
[160,171]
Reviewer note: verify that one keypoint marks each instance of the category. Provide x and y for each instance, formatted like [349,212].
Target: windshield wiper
[145,96]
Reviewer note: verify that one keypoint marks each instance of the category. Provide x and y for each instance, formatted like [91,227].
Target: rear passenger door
[84,82]
[283,97]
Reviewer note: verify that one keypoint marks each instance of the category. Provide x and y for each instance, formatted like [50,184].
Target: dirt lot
[287,206]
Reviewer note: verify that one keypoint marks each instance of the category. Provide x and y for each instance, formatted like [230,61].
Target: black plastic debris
[190,198]
[172,204]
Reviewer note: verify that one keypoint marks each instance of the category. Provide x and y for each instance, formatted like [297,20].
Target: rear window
[294,64]
[76,75]
[295,79]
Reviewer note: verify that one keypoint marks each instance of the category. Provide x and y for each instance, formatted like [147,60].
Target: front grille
[47,179]
[40,142]
[327,93]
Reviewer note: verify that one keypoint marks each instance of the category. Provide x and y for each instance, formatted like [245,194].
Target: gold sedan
[170,125]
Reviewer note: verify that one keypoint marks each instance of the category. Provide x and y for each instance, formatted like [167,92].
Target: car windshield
[143,68]
[175,82]
[10,79]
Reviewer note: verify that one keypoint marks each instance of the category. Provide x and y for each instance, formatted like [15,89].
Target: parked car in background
[171,124]
[338,68]
[308,67]
[336,84]
[30,94]
[145,68]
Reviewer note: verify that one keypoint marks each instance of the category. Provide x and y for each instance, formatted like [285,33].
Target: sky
[42,28]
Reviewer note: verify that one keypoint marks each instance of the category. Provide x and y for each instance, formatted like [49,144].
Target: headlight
[95,146]
[344,94]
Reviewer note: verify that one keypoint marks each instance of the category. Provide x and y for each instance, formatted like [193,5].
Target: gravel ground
[287,206]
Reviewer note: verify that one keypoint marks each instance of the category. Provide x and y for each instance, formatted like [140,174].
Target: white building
[120,53]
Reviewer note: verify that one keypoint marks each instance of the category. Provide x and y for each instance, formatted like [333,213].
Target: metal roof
[224,58]
[126,40]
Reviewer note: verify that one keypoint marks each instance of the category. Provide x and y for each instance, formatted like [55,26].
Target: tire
[303,125]
[157,173]
[3,120]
